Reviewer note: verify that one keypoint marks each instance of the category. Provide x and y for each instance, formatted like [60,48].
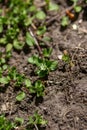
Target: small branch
[59,16]
[36,42]
[36,127]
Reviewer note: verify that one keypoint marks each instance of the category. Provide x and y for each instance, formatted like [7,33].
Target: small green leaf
[46,39]
[34,60]
[47,2]
[20,96]
[40,15]
[2,60]
[47,52]
[28,83]
[3,41]
[65,21]
[8,47]
[53,6]
[31,60]
[4,66]
[37,119]
[32,8]
[4,80]
[53,65]
[77,9]
[42,73]
[18,45]
[1,28]
[29,39]
[66,58]
[5,124]
[41,30]
[19,120]
[28,21]
[39,88]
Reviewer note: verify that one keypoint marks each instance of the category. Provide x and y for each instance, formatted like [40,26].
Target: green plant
[41,30]
[77,7]
[5,124]
[64,21]
[16,77]
[19,120]
[20,96]
[14,23]
[36,120]
[40,15]
[29,39]
[47,52]
[66,58]
[51,6]
[44,66]
[4,80]
[37,88]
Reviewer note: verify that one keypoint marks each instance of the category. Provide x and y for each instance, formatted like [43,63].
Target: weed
[19,120]
[18,16]
[20,96]
[51,6]
[36,120]
[66,57]
[16,77]
[37,88]
[4,80]
[65,21]
[44,66]
[5,124]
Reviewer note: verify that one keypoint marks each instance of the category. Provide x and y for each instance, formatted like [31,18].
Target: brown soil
[65,102]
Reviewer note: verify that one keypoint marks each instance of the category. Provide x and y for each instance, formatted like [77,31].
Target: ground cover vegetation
[24,24]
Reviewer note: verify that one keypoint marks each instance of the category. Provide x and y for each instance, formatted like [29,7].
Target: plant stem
[36,127]
[36,42]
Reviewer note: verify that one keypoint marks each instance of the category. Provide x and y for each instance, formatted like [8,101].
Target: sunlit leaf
[20,96]
[29,39]
[40,15]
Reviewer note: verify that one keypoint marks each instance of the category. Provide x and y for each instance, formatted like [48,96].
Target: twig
[59,16]
[36,127]
[36,42]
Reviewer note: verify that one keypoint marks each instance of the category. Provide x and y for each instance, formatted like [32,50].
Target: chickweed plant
[36,120]
[5,124]
[44,66]
[14,20]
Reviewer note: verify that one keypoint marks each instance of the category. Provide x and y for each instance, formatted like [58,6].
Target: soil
[65,102]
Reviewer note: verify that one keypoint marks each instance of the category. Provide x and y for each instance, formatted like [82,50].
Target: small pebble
[75,27]
[60,57]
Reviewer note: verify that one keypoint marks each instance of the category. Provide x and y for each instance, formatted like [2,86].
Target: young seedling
[64,21]
[77,7]
[5,124]
[37,88]
[51,6]
[14,23]
[44,66]
[19,120]
[16,77]
[20,96]
[36,120]
[66,57]
[4,80]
